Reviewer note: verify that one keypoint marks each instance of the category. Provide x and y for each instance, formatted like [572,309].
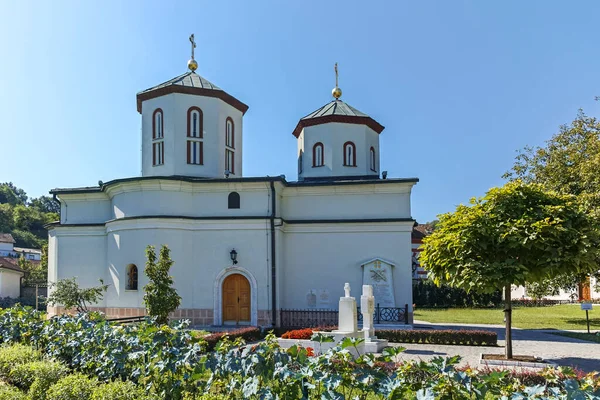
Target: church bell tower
[337,142]
[191,127]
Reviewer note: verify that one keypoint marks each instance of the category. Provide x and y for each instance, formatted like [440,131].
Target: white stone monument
[367,308]
[347,322]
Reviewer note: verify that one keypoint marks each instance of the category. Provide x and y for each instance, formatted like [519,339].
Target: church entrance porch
[236,300]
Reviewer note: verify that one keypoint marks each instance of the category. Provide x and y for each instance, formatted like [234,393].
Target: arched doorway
[236,300]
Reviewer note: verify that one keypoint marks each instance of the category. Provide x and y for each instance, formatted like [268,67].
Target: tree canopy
[568,163]
[25,219]
[517,234]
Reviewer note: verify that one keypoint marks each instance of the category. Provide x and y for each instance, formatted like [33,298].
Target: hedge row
[428,295]
[7,302]
[452,337]
[249,334]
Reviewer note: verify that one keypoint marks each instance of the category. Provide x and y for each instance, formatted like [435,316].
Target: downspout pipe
[273,254]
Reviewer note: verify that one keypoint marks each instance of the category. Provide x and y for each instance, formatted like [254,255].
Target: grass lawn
[590,337]
[566,316]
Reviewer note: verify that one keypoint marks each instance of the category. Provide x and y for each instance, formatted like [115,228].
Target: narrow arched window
[318,155]
[132,277]
[300,160]
[349,154]
[372,159]
[195,134]
[158,143]
[233,201]
[229,146]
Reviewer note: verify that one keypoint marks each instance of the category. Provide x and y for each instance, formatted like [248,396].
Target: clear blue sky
[459,85]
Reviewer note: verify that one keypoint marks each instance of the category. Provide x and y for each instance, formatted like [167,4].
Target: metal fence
[310,318]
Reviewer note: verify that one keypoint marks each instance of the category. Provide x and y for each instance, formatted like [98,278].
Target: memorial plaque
[311,298]
[378,274]
[323,298]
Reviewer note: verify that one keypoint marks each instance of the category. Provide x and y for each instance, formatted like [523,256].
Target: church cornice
[344,119]
[196,91]
[281,179]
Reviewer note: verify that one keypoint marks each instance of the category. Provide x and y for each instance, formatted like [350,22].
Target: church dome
[189,83]
[337,111]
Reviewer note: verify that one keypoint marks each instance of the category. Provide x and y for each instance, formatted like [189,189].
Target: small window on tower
[195,144]
[318,155]
[349,154]
[233,201]
[373,160]
[158,143]
[229,146]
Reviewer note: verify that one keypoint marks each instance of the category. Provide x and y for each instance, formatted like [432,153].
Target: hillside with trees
[24,218]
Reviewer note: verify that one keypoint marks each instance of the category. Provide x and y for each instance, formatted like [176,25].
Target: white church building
[244,248]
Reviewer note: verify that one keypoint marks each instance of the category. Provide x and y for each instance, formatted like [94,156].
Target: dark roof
[10,263]
[340,181]
[6,238]
[189,83]
[337,111]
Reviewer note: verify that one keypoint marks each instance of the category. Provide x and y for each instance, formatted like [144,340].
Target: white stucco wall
[164,197]
[175,107]
[84,208]
[325,256]
[389,200]
[333,135]
[8,247]
[78,252]
[200,250]
[10,283]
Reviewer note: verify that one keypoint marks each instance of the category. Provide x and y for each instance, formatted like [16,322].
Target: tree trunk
[508,322]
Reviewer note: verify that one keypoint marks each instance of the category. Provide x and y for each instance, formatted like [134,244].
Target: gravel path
[554,348]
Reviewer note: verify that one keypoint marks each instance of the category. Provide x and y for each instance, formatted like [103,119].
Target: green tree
[515,234]
[11,194]
[568,163]
[67,293]
[46,204]
[541,289]
[160,297]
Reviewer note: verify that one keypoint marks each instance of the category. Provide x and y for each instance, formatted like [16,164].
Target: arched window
[349,154]
[300,161]
[132,277]
[318,155]
[158,143]
[195,133]
[229,146]
[233,201]
[373,159]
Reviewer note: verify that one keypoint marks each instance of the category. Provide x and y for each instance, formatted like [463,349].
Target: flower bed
[249,334]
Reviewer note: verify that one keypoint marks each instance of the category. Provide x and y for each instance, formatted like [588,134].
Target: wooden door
[236,300]
[585,292]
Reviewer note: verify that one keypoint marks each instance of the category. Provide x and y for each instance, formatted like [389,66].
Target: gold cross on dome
[336,75]
[193,44]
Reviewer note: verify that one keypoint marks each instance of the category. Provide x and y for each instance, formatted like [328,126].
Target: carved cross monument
[367,308]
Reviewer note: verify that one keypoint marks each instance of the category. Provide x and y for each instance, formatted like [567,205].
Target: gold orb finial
[336,92]
[192,65]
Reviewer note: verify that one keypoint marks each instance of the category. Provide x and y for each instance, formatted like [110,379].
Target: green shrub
[11,393]
[119,390]
[72,387]
[457,337]
[37,376]
[17,354]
